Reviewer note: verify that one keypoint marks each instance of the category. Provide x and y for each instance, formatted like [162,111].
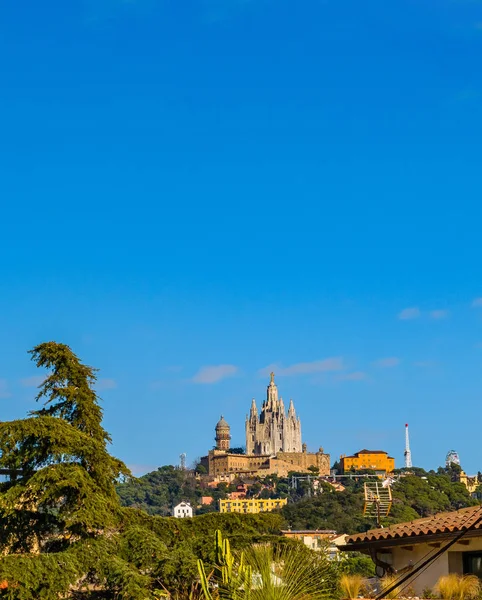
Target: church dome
[221,424]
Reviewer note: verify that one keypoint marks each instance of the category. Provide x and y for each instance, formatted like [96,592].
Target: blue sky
[195,190]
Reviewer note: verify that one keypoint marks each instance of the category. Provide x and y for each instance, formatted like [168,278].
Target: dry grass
[469,587]
[448,587]
[351,585]
[387,582]
[458,587]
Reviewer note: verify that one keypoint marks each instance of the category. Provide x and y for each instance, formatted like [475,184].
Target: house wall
[251,505]
[470,481]
[379,461]
[402,558]
[304,460]
[221,464]
[315,541]
[182,511]
[449,562]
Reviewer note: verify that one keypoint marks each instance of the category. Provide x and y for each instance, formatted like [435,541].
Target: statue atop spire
[253,413]
[272,394]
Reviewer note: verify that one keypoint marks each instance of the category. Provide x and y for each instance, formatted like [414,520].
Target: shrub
[387,582]
[458,587]
[267,572]
[351,585]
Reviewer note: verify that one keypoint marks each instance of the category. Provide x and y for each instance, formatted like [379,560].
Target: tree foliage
[157,492]
[64,531]
[310,506]
[419,495]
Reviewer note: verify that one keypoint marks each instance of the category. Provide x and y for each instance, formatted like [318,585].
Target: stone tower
[274,430]
[223,435]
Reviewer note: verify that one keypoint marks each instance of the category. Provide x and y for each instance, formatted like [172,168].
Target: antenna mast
[183,461]
[407,453]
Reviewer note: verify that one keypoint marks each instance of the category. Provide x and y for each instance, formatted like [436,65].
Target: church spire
[291,410]
[272,394]
[253,413]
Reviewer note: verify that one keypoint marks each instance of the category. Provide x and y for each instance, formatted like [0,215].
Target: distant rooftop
[365,451]
[308,531]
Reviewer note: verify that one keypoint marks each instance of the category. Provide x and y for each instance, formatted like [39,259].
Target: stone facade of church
[273,430]
[224,466]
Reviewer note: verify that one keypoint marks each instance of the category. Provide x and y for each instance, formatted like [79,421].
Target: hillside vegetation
[414,496]
[418,495]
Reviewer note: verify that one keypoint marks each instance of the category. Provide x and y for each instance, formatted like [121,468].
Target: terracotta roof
[365,451]
[309,531]
[442,523]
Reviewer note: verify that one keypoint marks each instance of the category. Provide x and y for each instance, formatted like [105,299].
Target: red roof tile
[442,523]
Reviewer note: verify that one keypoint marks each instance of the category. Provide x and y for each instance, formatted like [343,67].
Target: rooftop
[309,531]
[440,524]
[221,424]
[365,451]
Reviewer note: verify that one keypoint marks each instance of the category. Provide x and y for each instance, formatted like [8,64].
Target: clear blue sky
[193,190]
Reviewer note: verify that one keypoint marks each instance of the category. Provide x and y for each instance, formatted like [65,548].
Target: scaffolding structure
[378,499]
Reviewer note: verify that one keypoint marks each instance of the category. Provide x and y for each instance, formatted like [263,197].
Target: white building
[182,510]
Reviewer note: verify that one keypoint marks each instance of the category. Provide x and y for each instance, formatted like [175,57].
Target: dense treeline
[157,492]
[418,495]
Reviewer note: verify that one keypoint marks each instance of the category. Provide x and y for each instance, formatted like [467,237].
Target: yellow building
[470,481]
[375,460]
[251,506]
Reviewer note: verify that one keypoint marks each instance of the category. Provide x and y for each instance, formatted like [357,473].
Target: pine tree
[63,533]
[61,522]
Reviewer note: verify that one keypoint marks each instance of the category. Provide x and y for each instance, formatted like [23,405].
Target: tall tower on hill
[407,453]
[273,430]
[223,435]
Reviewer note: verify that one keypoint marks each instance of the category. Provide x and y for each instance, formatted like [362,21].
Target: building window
[473,563]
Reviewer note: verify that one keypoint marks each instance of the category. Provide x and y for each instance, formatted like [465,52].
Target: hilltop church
[273,431]
[273,444]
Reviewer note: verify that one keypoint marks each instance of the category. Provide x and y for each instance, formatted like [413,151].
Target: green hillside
[418,495]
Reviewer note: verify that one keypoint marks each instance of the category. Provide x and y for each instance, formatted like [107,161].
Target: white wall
[182,511]
[449,562]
